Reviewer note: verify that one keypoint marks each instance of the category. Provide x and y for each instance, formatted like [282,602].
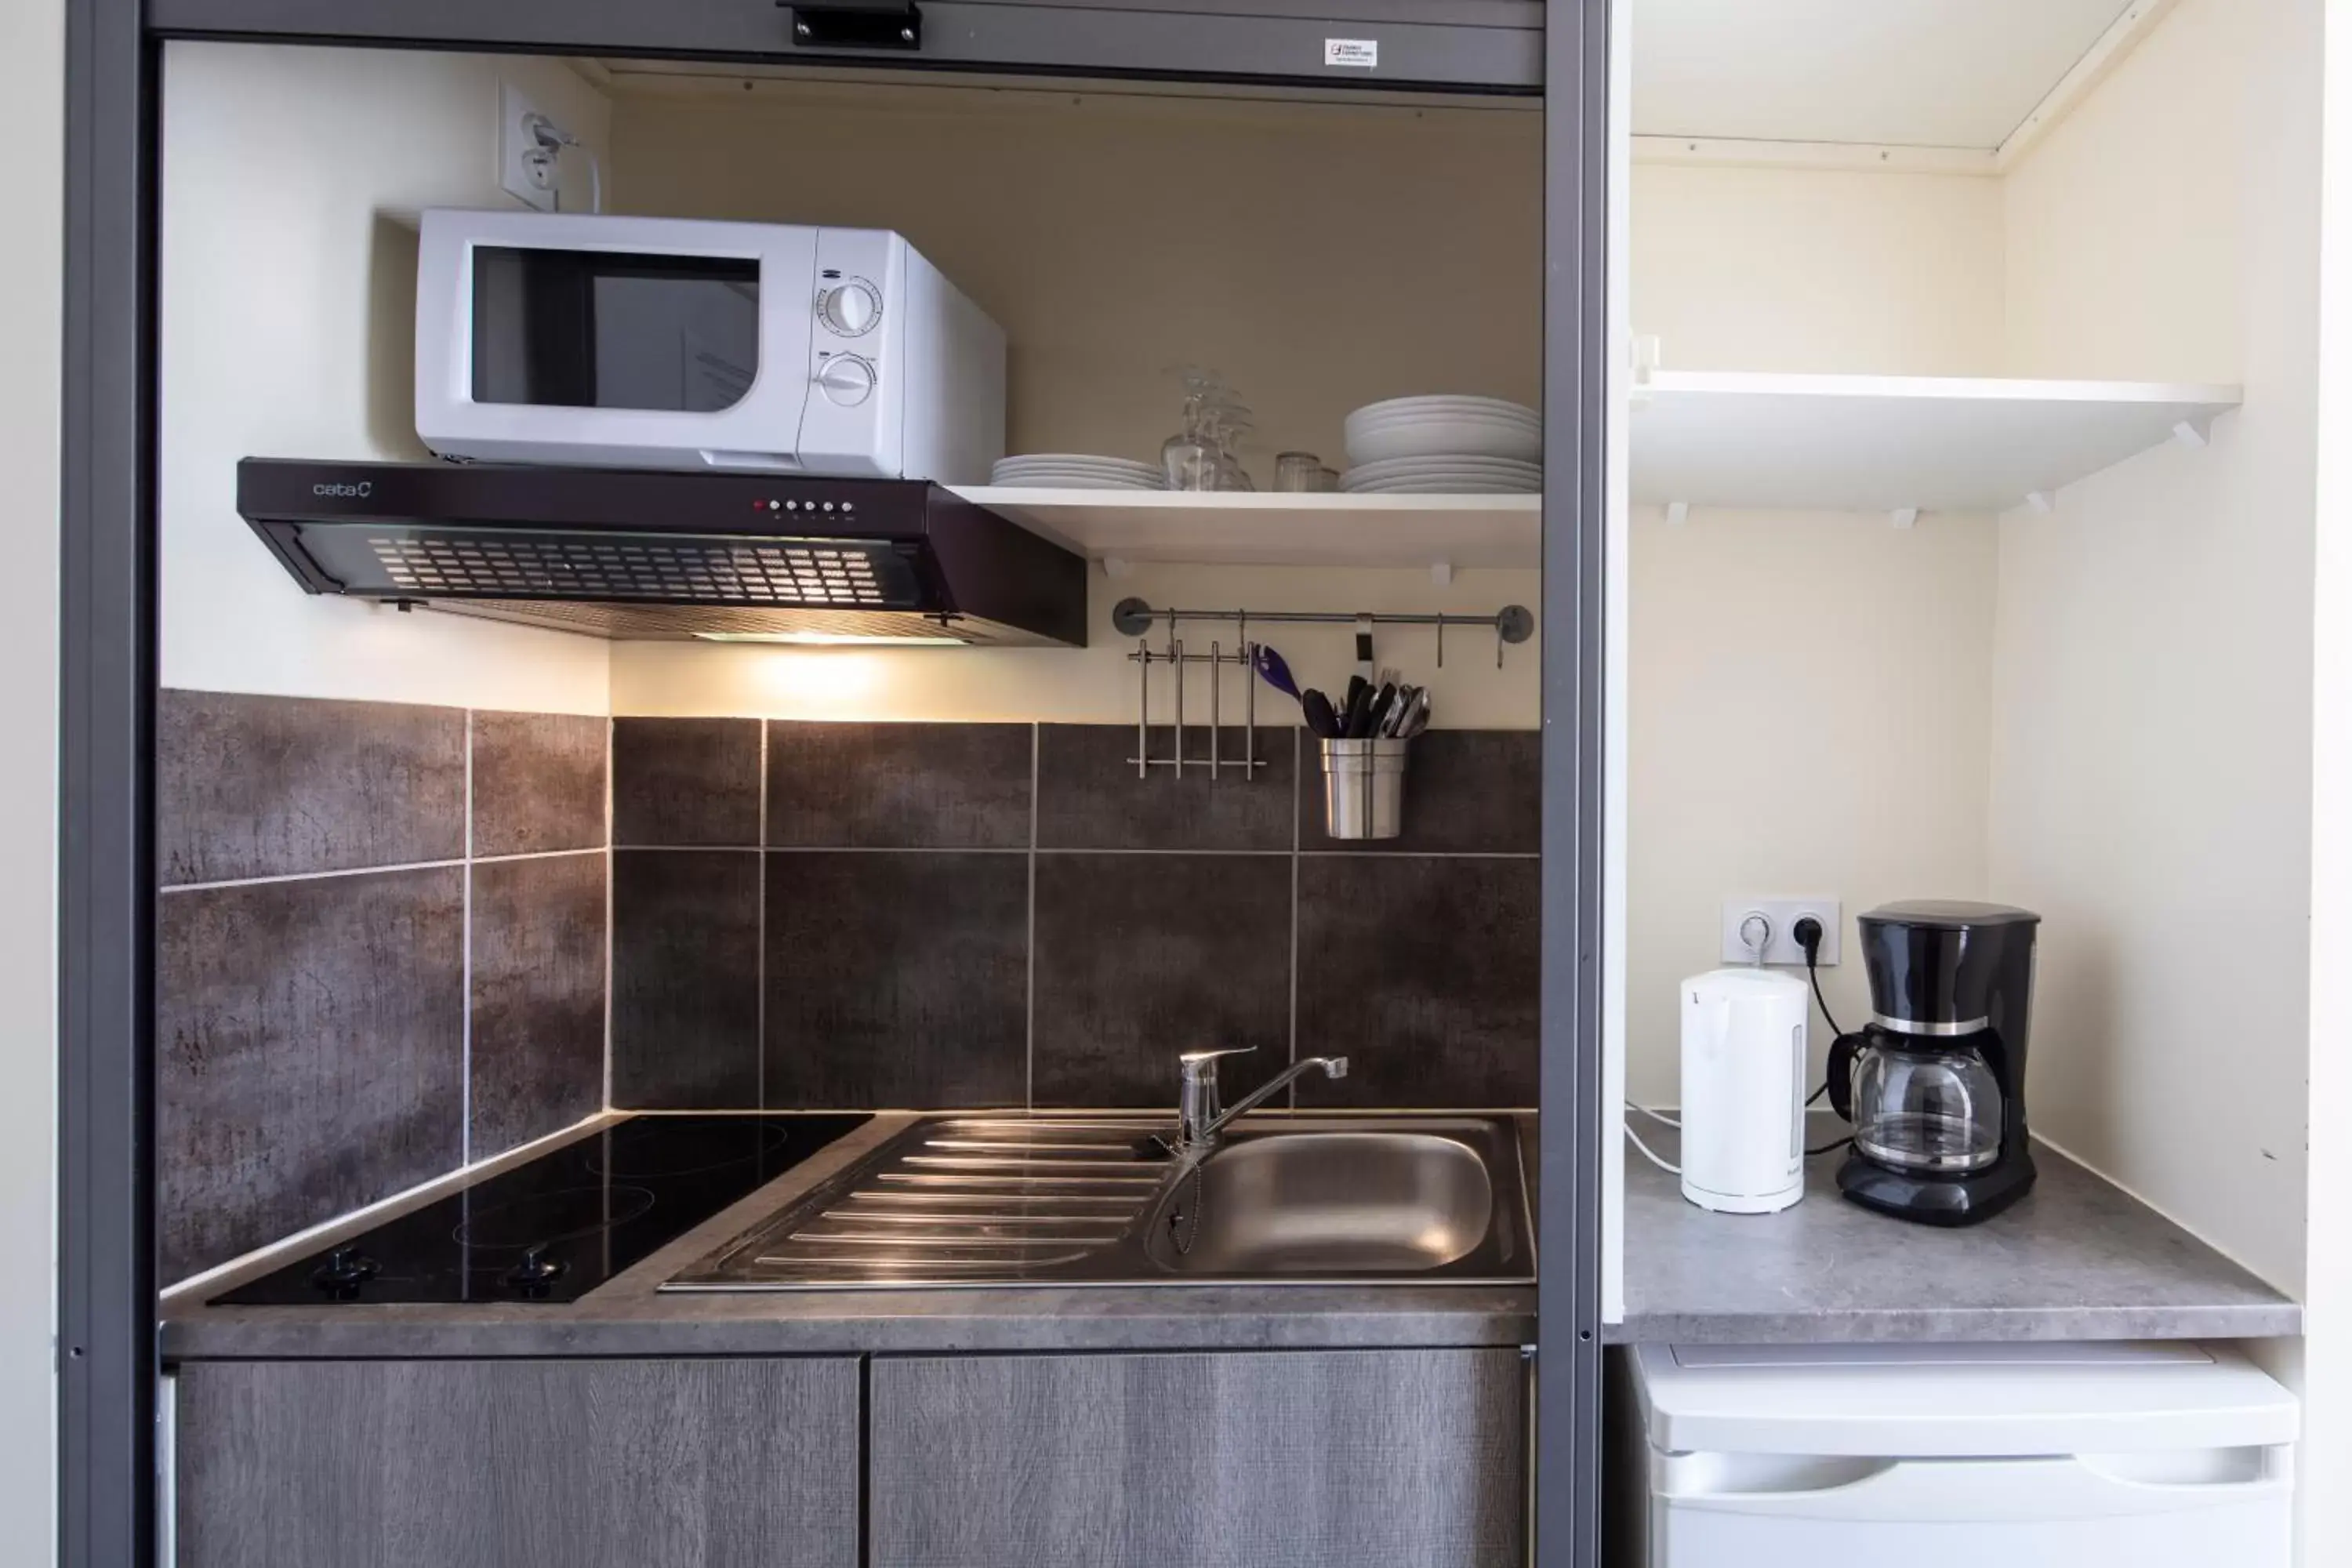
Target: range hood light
[829,639]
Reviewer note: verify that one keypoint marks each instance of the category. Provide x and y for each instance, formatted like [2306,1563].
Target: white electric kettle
[1743,1100]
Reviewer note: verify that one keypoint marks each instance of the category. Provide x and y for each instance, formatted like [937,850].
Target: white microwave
[666,343]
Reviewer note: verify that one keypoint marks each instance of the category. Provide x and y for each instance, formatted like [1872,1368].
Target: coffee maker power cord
[1808,934]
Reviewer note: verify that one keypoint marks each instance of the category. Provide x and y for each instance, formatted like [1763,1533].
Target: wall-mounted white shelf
[1896,444]
[1267,529]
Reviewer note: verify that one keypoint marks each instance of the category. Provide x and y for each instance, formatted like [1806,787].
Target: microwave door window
[661,345]
[572,329]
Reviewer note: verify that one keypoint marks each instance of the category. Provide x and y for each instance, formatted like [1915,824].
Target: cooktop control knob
[344,1271]
[850,309]
[847,380]
[536,1272]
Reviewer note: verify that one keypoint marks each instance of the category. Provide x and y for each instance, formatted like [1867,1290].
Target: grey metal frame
[1483,45]
[105,1293]
[1575,577]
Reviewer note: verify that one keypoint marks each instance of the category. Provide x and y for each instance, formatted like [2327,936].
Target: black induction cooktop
[556,1227]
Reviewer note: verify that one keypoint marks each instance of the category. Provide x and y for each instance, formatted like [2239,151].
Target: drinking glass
[1298,473]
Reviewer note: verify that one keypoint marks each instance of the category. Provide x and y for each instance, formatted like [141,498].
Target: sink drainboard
[966,1198]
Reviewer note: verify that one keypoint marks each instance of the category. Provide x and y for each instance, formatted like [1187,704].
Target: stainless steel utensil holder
[1363,787]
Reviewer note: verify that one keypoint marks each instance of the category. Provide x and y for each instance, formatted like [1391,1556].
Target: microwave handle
[750,462]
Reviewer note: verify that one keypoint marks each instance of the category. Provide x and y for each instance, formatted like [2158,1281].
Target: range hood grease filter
[669,556]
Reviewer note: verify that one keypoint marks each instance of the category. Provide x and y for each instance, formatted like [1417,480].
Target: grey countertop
[629,1316]
[2077,1259]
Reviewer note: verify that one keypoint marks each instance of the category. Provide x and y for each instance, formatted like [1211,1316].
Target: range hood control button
[850,309]
[847,380]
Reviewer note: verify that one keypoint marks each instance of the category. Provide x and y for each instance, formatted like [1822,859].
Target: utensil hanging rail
[1512,624]
[1135,618]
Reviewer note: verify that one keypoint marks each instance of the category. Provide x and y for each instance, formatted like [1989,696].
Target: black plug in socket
[1808,933]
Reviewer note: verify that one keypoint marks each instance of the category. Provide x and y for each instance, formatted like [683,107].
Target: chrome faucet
[1199,1118]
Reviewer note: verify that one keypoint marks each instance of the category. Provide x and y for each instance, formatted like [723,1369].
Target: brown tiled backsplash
[360,986]
[309,1045]
[539,783]
[324,898]
[1000,915]
[535,1050]
[272,786]
[686,782]
[686,979]
[899,786]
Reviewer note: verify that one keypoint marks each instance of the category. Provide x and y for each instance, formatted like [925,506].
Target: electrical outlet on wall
[527,171]
[1779,917]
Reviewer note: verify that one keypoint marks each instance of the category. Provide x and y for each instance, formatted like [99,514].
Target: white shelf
[1850,443]
[1267,530]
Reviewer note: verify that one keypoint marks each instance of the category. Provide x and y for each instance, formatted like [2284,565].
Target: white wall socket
[1781,915]
[530,181]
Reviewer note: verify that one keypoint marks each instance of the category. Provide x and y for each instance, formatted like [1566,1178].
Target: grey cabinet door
[1288,1459]
[519,1464]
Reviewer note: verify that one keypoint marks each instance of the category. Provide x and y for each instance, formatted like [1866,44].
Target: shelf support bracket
[1646,353]
[1442,573]
[2042,502]
[1904,517]
[1118,568]
[1677,512]
[2190,435]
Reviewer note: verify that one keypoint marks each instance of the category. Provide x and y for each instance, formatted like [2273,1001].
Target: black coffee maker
[1935,1085]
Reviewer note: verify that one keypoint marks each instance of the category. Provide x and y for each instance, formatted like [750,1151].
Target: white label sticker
[1362,54]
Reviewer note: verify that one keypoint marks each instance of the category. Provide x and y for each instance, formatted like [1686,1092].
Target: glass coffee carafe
[1930,1109]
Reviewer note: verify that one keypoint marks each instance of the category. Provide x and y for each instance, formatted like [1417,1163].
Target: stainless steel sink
[1326,1203]
[998,1202]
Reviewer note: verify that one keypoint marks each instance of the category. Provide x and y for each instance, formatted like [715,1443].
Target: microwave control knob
[847,380]
[850,309]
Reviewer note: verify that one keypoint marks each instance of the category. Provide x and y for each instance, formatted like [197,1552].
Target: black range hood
[665,556]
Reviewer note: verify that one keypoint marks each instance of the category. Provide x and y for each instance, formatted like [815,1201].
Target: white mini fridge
[1976,1455]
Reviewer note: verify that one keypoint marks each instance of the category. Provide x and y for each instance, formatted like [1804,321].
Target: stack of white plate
[1076,471]
[1443,476]
[1430,445]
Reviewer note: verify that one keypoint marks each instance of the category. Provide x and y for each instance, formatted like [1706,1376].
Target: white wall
[2134,226]
[2151,757]
[1820,270]
[291,178]
[1809,710]
[32,54]
[1778,744]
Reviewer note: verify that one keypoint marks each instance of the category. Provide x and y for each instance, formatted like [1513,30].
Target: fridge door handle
[1917,1491]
